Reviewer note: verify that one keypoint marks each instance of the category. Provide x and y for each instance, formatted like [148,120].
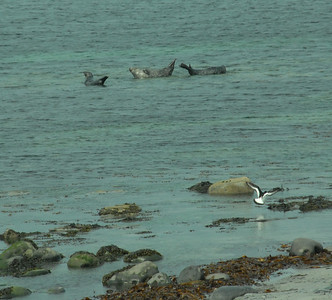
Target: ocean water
[68,150]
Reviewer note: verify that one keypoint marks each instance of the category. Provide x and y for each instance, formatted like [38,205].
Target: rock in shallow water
[111,253]
[83,259]
[142,255]
[13,292]
[303,246]
[232,186]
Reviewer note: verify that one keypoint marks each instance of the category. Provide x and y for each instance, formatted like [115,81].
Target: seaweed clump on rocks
[244,271]
[313,204]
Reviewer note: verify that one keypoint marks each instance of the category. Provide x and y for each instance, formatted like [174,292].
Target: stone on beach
[304,246]
[191,273]
[232,186]
[217,276]
[230,292]
[159,279]
[127,277]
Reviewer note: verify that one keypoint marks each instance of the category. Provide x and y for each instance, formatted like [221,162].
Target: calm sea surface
[67,150]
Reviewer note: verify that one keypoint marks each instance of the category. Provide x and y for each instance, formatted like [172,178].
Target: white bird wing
[256,188]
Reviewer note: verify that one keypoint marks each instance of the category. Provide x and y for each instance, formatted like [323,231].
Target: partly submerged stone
[232,186]
[36,272]
[13,292]
[121,211]
[111,253]
[56,290]
[83,259]
[19,248]
[201,187]
[303,246]
[231,292]
[127,277]
[11,236]
[142,255]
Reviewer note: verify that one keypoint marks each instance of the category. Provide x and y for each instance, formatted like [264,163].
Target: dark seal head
[153,73]
[207,71]
[90,81]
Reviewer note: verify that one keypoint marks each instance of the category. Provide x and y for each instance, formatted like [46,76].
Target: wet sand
[305,284]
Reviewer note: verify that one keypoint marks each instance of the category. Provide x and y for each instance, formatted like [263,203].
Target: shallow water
[68,150]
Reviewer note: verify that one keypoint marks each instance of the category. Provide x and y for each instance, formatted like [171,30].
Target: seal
[90,81]
[153,73]
[207,71]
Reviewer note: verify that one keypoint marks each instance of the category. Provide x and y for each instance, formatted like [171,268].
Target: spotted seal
[207,71]
[153,73]
[90,81]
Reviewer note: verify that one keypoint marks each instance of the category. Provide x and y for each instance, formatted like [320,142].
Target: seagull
[90,81]
[261,195]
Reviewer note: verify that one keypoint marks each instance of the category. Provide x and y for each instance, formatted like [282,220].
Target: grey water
[67,150]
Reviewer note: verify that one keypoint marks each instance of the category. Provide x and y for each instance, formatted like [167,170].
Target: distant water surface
[68,150]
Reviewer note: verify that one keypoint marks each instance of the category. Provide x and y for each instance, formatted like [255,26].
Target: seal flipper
[189,68]
[102,80]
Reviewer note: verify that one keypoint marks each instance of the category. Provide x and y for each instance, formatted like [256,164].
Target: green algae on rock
[83,259]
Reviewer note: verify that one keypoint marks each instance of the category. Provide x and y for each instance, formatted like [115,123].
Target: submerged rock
[232,186]
[56,290]
[83,259]
[111,253]
[127,277]
[13,292]
[36,272]
[201,187]
[121,211]
[11,236]
[303,246]
[142,255]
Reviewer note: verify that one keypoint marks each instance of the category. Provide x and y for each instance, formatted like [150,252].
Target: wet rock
[127,277]
[237,220]
[142,255]
[217,276]
[159,279]
[73,229]
[313,204]
[47,255]
[201,187]
[13,292]
[83,259]
[19,248]
[317,203]
[303,246]
[36,272]
[126,210]
[10,236]
[111,253]
[56,290]
[231,292]
[232,186]
[191,273]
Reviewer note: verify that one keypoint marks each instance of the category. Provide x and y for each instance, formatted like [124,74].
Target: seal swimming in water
[207,71]
[90,81]
[153,73]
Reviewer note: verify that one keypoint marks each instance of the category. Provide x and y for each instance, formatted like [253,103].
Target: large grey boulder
[232,186]
[230,292]
[191,273]
[303,246]
[128,277]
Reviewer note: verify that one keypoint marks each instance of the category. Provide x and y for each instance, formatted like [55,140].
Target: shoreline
[272,277]
[305,284]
